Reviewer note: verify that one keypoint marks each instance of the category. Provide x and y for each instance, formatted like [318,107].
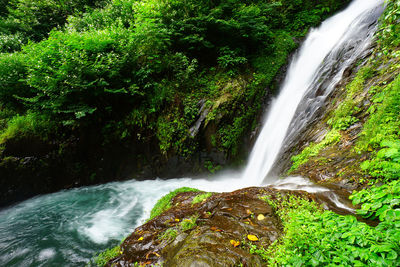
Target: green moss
[201,197]
[164,203]
[313,149]
[343,116]
[188,224]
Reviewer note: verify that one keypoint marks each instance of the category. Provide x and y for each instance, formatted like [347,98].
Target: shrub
[13,72]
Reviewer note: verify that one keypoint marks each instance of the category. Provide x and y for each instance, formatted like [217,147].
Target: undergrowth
[188,224]
[381,133]
[314,237]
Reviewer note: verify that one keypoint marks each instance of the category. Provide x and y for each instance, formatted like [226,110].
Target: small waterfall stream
[67,228]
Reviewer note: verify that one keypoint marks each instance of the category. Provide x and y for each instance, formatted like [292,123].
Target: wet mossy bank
[223,229]
[263,226]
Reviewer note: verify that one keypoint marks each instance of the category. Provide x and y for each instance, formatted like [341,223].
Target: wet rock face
[214,232]
[217,223]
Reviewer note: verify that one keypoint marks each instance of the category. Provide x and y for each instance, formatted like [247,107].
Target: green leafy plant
[316,237]
[256,249]
[107,255]
[381,202]
[380,133]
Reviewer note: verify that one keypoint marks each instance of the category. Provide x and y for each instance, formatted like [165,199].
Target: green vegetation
[380,202]
[343,117]
[29,125]
[164,203]
[254,249]
[313,149]
[188,224]
[138,71]
[201,197]
[169,234]
[381,133]
[314,237]
[24,20]
[107,255]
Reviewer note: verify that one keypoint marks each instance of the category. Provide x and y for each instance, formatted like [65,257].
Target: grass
[31,124]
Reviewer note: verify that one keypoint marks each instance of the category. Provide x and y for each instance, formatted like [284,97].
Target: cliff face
[341,146]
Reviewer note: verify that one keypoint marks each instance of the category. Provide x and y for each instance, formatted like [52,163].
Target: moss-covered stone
[213,232]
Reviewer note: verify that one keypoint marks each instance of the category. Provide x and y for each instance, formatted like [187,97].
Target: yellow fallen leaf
[177,220]
[260,217]
[252,237]
[235,243]
[140,238]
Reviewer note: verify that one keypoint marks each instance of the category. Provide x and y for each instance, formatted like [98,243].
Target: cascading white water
[302,72]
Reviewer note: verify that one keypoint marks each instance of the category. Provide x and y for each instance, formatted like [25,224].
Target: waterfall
[350,28]
[66,228]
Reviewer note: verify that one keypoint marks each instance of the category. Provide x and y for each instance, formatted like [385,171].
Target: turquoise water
[68,228]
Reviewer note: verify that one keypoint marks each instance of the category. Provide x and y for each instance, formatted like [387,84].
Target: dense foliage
[24,20]
[131,71]
[314,237]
